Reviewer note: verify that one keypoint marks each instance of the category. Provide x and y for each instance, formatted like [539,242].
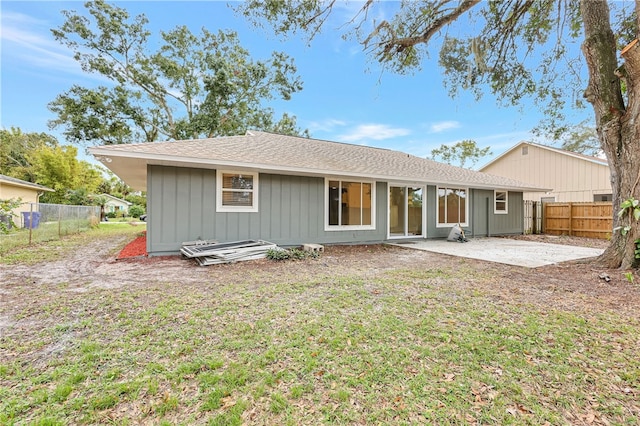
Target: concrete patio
[505,250]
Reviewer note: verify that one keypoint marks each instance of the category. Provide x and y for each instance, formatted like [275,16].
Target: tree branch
[399,44]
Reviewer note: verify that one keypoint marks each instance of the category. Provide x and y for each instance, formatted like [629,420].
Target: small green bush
[292,254]
[277,254]
[111,215]
[136,210]
[7,215]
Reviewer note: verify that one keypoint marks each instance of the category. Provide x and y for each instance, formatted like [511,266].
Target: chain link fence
[37,222]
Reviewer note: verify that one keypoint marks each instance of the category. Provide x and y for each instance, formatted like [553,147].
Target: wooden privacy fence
[592,220]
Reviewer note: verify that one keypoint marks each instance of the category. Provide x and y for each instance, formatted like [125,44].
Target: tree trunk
[618,127]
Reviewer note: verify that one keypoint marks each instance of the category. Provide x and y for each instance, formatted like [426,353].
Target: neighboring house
[573,176]
[28,192]
[116,205]
[292,190]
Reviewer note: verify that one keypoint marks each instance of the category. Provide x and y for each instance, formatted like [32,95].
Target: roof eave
[34,187]
[106,155]
[593,160]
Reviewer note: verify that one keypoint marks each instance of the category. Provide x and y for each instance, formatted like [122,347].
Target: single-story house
[115,204]
[574,177]
[293,190]
[29,193]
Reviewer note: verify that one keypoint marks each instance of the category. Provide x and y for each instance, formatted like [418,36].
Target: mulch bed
[136,248]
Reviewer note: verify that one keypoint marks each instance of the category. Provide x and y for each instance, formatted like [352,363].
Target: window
[236,191]
[525,150]
[602,197]
[452,207]
[349,205]
[501,202]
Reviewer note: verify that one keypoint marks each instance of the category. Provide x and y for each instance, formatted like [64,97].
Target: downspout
[472,215]
[488,212]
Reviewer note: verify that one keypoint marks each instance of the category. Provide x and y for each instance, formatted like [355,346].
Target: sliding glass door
[405,211]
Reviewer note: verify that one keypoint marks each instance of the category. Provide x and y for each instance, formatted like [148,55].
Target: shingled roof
[23,183]
[291,155]
[589,158]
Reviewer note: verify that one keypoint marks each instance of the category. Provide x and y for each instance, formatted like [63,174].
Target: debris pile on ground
[213,253]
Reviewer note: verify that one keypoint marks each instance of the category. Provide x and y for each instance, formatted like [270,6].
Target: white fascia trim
[589,159]
[594,160]
[26,186]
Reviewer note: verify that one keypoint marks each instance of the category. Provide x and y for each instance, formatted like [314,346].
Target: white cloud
[325,125]
[29,40]
[443,126]
[373,132]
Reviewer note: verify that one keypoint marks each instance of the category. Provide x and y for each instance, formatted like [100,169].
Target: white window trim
[466,208]
[236,209]
[495,203]
[328,227]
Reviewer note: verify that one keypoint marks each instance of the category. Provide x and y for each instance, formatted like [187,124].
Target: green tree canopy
[14,147]
[459,153]
[192,86]
[581,138]
[59,169]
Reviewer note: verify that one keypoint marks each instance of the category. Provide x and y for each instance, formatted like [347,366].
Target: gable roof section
[23,183]
[272,153]
[120,200]
[588,158]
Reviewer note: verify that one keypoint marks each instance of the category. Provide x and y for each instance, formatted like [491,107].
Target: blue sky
[346,96]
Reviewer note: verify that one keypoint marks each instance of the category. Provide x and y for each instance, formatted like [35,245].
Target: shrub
[277,254]
[136,210]
[292,253]
[94,222]
[111,215]
[7,215]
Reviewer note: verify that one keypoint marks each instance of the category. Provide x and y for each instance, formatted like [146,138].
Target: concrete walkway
[505,250]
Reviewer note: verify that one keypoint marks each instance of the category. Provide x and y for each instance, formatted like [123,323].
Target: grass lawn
[14,247]
[263,345]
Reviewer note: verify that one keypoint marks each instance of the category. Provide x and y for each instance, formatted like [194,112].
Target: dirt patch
[569,285]
[565,240]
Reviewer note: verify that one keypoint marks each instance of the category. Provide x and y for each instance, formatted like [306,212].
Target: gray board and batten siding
[291,211]
[182,207]
[483,221]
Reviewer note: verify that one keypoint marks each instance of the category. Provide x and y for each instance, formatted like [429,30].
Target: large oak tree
[192,86]
[516,49]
